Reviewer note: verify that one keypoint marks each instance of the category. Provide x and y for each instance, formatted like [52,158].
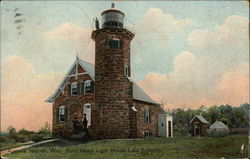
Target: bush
[12,133]
[180,130]
[22,138]
[61,131]
[4,139]
[37,137]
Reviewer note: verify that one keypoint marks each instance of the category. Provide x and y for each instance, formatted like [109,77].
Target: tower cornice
[122,31]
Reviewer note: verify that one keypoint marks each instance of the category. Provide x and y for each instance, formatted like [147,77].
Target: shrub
[61,131]
[180,130]
[4,139]
[12,132]
[22,138]
[37,137]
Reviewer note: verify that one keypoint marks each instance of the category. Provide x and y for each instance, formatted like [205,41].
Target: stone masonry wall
[113,90]
[141,125]
[74,105]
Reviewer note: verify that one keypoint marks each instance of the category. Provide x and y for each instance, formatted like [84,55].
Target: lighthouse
[104,94]
[113,89]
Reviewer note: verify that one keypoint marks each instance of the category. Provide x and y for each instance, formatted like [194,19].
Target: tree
[45,130]
[12,132]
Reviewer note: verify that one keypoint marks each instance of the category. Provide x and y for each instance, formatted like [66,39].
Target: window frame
[126,70]
[62,113]
[112,45]
[146,133]
[87,86]
[147,115]
[73,86]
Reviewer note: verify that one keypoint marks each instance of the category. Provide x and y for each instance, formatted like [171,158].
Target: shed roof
[218,125]
[138,93]
[200,118]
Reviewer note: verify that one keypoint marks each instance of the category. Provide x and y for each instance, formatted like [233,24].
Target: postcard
[124,79]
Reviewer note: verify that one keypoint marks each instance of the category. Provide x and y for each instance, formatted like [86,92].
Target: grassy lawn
[10,145]
[178,147]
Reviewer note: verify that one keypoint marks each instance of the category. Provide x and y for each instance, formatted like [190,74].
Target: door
[87,111]
[162,125]
[197,128]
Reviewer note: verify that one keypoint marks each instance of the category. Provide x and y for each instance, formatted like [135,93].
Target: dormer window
[115,43]
[74,89]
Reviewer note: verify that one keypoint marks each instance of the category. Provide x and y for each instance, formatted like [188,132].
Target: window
[126,70]
[146,133]
[62,114]
[74,88]
[114,43]
[87,86]
[146,116]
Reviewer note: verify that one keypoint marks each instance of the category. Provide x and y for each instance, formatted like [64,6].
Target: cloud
[228,41]
[214,71]
[23,94]
[155,34]
[159,25]
[72,38]
[67,31]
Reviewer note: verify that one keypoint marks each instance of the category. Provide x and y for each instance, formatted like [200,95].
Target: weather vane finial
[77,56]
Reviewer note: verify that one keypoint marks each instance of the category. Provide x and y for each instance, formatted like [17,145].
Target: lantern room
[112,18]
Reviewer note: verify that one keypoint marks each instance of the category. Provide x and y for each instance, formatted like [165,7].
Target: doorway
[87,111]
[197,128]
[169,129]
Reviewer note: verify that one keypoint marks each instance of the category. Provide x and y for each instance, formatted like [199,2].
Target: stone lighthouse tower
[113,90]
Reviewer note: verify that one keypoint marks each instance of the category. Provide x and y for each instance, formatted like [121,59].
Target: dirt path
[10,150]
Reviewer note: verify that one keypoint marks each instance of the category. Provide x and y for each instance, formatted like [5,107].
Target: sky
[184,54]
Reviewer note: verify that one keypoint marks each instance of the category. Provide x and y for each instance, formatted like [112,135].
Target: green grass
[178,147]
[10,145]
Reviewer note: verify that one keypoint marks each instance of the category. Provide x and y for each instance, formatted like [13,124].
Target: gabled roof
[200,118]
[138,93]
[218,125]
[88,67]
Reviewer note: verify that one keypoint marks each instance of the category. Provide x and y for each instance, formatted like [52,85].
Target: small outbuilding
[198,126]
[218,128]
[165,125]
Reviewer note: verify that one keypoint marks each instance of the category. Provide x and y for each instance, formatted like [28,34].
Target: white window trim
[147,115]
[86,84]
[61,112]
[126,70]
[146,132]
[71,88]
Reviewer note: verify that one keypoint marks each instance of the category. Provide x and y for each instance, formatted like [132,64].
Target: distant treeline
[232,116]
